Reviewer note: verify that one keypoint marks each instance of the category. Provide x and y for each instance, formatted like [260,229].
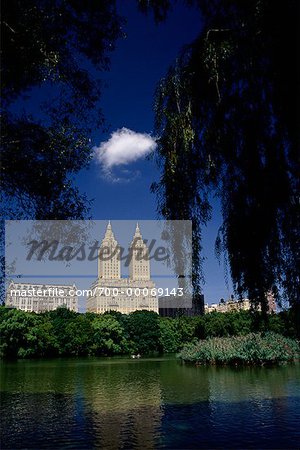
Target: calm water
[147,403]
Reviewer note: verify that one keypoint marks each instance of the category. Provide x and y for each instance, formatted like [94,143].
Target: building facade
[111,292]
[227,306]
[239,305]
[40,298]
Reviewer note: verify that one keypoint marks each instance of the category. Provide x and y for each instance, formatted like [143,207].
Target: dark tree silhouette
[56,46]
[51,52]
[226,113]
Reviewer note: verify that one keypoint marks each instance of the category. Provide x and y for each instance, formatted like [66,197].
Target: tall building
[139,266]
[39,298]
[111,292]
[109,266]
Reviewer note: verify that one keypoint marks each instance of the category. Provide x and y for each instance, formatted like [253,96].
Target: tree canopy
[51,54]
[65,333]
[57,46]
[226,114]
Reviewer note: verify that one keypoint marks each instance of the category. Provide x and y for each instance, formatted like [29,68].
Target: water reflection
[124,401]
[155,403]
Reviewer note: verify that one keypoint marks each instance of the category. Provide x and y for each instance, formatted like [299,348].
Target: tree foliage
[51,51]
[109,336]
[226,114]
[51,55]
[144,332]
[65,333]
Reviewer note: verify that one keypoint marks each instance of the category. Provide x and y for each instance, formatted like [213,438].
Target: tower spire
[109,263]
[137,230]
[139,266]
[109,232]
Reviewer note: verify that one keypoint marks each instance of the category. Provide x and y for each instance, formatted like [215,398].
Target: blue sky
[137,64]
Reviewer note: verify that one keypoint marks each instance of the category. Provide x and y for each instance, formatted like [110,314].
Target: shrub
[253,348]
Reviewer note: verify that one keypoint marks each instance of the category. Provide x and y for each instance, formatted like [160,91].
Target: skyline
[82,239]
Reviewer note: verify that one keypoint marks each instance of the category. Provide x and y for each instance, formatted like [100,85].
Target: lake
[114,403]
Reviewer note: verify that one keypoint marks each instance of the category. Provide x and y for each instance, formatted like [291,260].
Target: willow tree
[227,119]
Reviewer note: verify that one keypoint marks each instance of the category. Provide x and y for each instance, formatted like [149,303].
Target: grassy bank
[252,349]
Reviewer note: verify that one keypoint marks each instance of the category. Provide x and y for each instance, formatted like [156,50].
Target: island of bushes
[239,337]
[251,349]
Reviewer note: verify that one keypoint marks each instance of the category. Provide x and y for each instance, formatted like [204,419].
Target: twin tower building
[111,292]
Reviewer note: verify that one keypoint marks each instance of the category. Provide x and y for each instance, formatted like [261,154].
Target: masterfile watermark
[97,291]
[38,292]
[39,247]
[122,254]
[56,251]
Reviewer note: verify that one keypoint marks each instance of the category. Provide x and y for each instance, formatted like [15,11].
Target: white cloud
[123,147]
